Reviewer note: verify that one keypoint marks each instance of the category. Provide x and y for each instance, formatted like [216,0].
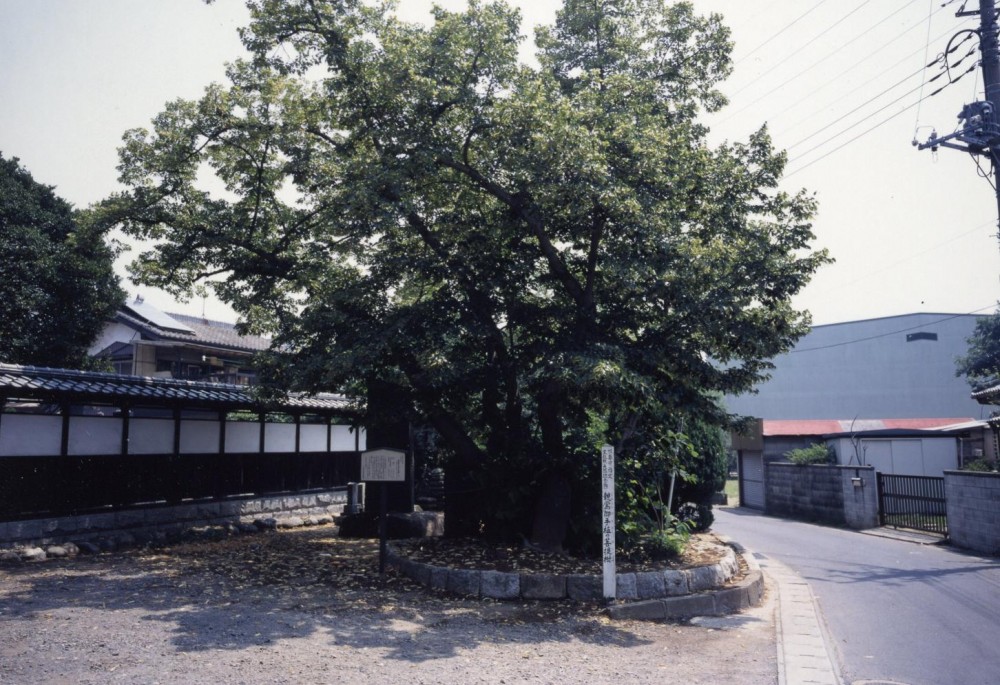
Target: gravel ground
[301,607]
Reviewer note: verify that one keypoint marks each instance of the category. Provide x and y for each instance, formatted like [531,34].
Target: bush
[981,464]
[814,454]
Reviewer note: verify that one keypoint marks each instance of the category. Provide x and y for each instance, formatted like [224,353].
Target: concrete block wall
[973,501]
[860,496]
[810,493]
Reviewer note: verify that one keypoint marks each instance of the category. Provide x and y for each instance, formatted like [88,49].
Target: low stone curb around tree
[689,592]
[746,593]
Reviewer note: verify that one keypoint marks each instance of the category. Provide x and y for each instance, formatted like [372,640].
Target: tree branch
[523,208]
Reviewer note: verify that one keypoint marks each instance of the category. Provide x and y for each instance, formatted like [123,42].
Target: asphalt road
[895,611]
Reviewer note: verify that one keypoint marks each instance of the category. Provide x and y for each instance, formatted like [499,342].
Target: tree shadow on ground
[256,590]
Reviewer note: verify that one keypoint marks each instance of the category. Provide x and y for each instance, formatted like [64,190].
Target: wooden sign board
[383,465]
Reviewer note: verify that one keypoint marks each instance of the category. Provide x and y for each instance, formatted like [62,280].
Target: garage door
[751,480]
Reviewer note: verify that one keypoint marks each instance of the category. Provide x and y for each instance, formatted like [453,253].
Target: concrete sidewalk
[804,654]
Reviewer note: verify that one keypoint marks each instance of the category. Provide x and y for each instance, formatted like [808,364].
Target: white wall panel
[30,435]
[200,436]
[94,435]
[150,436]
[312,437]
[279,437]
[242,436]
[342,439]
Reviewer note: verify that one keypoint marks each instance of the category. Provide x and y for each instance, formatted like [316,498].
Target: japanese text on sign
[383,465]
[608,519]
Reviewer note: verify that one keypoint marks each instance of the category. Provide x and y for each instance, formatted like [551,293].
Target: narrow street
[895,611]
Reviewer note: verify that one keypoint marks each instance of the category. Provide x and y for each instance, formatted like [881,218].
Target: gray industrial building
[886,368]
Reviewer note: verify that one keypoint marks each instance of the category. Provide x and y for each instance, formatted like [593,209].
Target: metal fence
[913,502]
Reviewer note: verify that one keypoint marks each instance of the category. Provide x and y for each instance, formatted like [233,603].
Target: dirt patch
[303,606]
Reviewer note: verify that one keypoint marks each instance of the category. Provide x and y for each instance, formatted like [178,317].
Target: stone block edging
[748,592]
[668,585]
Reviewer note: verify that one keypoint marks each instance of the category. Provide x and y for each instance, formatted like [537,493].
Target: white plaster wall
[312,437]
[30,435]
[279,437]
[242,436]
[342,439]
[150,436]
[94,435]
[201,436]
[112,333]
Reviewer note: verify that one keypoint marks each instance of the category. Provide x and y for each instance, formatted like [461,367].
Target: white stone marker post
[608,519]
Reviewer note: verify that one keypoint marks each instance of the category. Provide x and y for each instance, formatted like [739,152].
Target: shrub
[814,454]
[669,542]
[981,464]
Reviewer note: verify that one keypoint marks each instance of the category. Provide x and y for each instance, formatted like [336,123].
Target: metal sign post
[608,519]
[384,466]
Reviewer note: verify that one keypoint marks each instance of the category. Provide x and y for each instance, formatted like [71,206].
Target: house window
[921,335]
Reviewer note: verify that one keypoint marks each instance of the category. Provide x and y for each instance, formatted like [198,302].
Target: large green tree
[981,364]
[57,282]
[534,258]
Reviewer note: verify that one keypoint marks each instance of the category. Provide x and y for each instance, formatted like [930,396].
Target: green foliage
[981,365]
[57,282]
[536,259]
[665,543]
[642,482]
[708,464]
[981,465]
[816,453]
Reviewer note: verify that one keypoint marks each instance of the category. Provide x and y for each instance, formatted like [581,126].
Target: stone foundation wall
[151,520]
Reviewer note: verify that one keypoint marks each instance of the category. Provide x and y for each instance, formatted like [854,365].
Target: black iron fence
[913,502]
[35,487]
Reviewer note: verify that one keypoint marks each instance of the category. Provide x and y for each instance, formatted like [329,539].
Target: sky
[841,85]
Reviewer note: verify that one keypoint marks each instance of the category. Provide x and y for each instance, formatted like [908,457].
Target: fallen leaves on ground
[475,554]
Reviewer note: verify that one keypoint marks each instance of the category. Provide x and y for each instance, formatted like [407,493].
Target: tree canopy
[535,258]
[981,365]
[57,282]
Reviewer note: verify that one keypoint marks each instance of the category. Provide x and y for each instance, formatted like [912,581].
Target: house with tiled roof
[141,340]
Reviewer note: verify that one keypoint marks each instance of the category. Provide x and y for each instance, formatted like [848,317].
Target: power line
[863,104]
[927,50]
[838,78]
[782,30]
[868,130]
[829,55]
[876,97]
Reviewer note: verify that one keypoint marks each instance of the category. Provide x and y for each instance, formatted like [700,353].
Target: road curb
[748,592]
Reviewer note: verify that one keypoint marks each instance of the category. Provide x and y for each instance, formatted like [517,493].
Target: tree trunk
[552,513]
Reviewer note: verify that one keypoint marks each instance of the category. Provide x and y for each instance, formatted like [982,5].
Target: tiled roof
[775,428]
[203,331]
[31,381]
[987,395]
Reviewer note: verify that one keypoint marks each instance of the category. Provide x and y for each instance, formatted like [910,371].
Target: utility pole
[980,130]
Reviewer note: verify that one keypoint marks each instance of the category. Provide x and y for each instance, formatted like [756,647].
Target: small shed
[920,446]
[898,451]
